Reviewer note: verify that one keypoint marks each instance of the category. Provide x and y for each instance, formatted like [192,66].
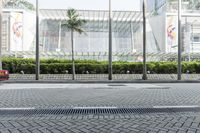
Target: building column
[59,35]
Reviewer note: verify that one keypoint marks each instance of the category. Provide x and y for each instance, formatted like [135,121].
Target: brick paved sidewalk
[92,95]
[100,95]
[146,123]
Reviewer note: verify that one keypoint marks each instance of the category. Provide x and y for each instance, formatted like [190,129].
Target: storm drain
[156,88]
[116,85]
[95,111]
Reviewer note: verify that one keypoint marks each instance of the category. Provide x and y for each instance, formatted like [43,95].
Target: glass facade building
[55,37]
[19,33]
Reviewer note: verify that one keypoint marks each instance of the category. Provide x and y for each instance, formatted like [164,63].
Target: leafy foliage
[55,66]
[73,21]
[193,4]
[22,4]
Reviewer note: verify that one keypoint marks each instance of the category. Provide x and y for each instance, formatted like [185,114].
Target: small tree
[74,23]
[18,4]
[194,4]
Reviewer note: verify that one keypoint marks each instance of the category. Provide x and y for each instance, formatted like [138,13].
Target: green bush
[60,66]
[166,67]
[27,68]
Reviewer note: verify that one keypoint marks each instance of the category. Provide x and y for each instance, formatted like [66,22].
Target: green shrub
[55,68]
[27,68]
[166,67]
[60,66]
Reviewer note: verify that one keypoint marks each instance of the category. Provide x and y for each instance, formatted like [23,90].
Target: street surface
[19,97]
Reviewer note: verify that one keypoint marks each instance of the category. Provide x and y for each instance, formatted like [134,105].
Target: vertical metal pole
[37,43]
[179,40]
[1,19]
[144,77]
[110,42]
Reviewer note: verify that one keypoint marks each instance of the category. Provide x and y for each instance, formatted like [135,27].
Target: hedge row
[52,66]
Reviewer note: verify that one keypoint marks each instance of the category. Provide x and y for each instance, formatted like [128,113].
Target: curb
[97,81]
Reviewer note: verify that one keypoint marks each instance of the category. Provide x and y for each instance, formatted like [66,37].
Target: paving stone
[128,96]
[4,131]
[102,76]
[162,131]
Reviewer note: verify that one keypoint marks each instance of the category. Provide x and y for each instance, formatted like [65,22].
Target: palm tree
[22,4]
[194,4]
[74,23]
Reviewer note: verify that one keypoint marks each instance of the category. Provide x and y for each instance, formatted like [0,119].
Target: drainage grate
[156,88]
[116,85]
[95,111]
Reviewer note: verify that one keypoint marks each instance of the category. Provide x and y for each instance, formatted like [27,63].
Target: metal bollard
[128,72]
[22,72]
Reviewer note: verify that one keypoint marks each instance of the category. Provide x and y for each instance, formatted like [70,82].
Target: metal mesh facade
[54,37]
[127,35]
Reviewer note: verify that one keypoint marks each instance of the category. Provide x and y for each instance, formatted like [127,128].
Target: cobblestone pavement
[100,95]
[103,76]
[76,95]
[146,123]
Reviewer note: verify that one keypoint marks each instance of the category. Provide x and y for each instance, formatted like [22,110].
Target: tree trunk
[73,64]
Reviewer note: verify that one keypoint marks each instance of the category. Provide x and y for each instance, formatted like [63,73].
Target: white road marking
[94,107]
[190,106]
[17,108]
[74,86]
